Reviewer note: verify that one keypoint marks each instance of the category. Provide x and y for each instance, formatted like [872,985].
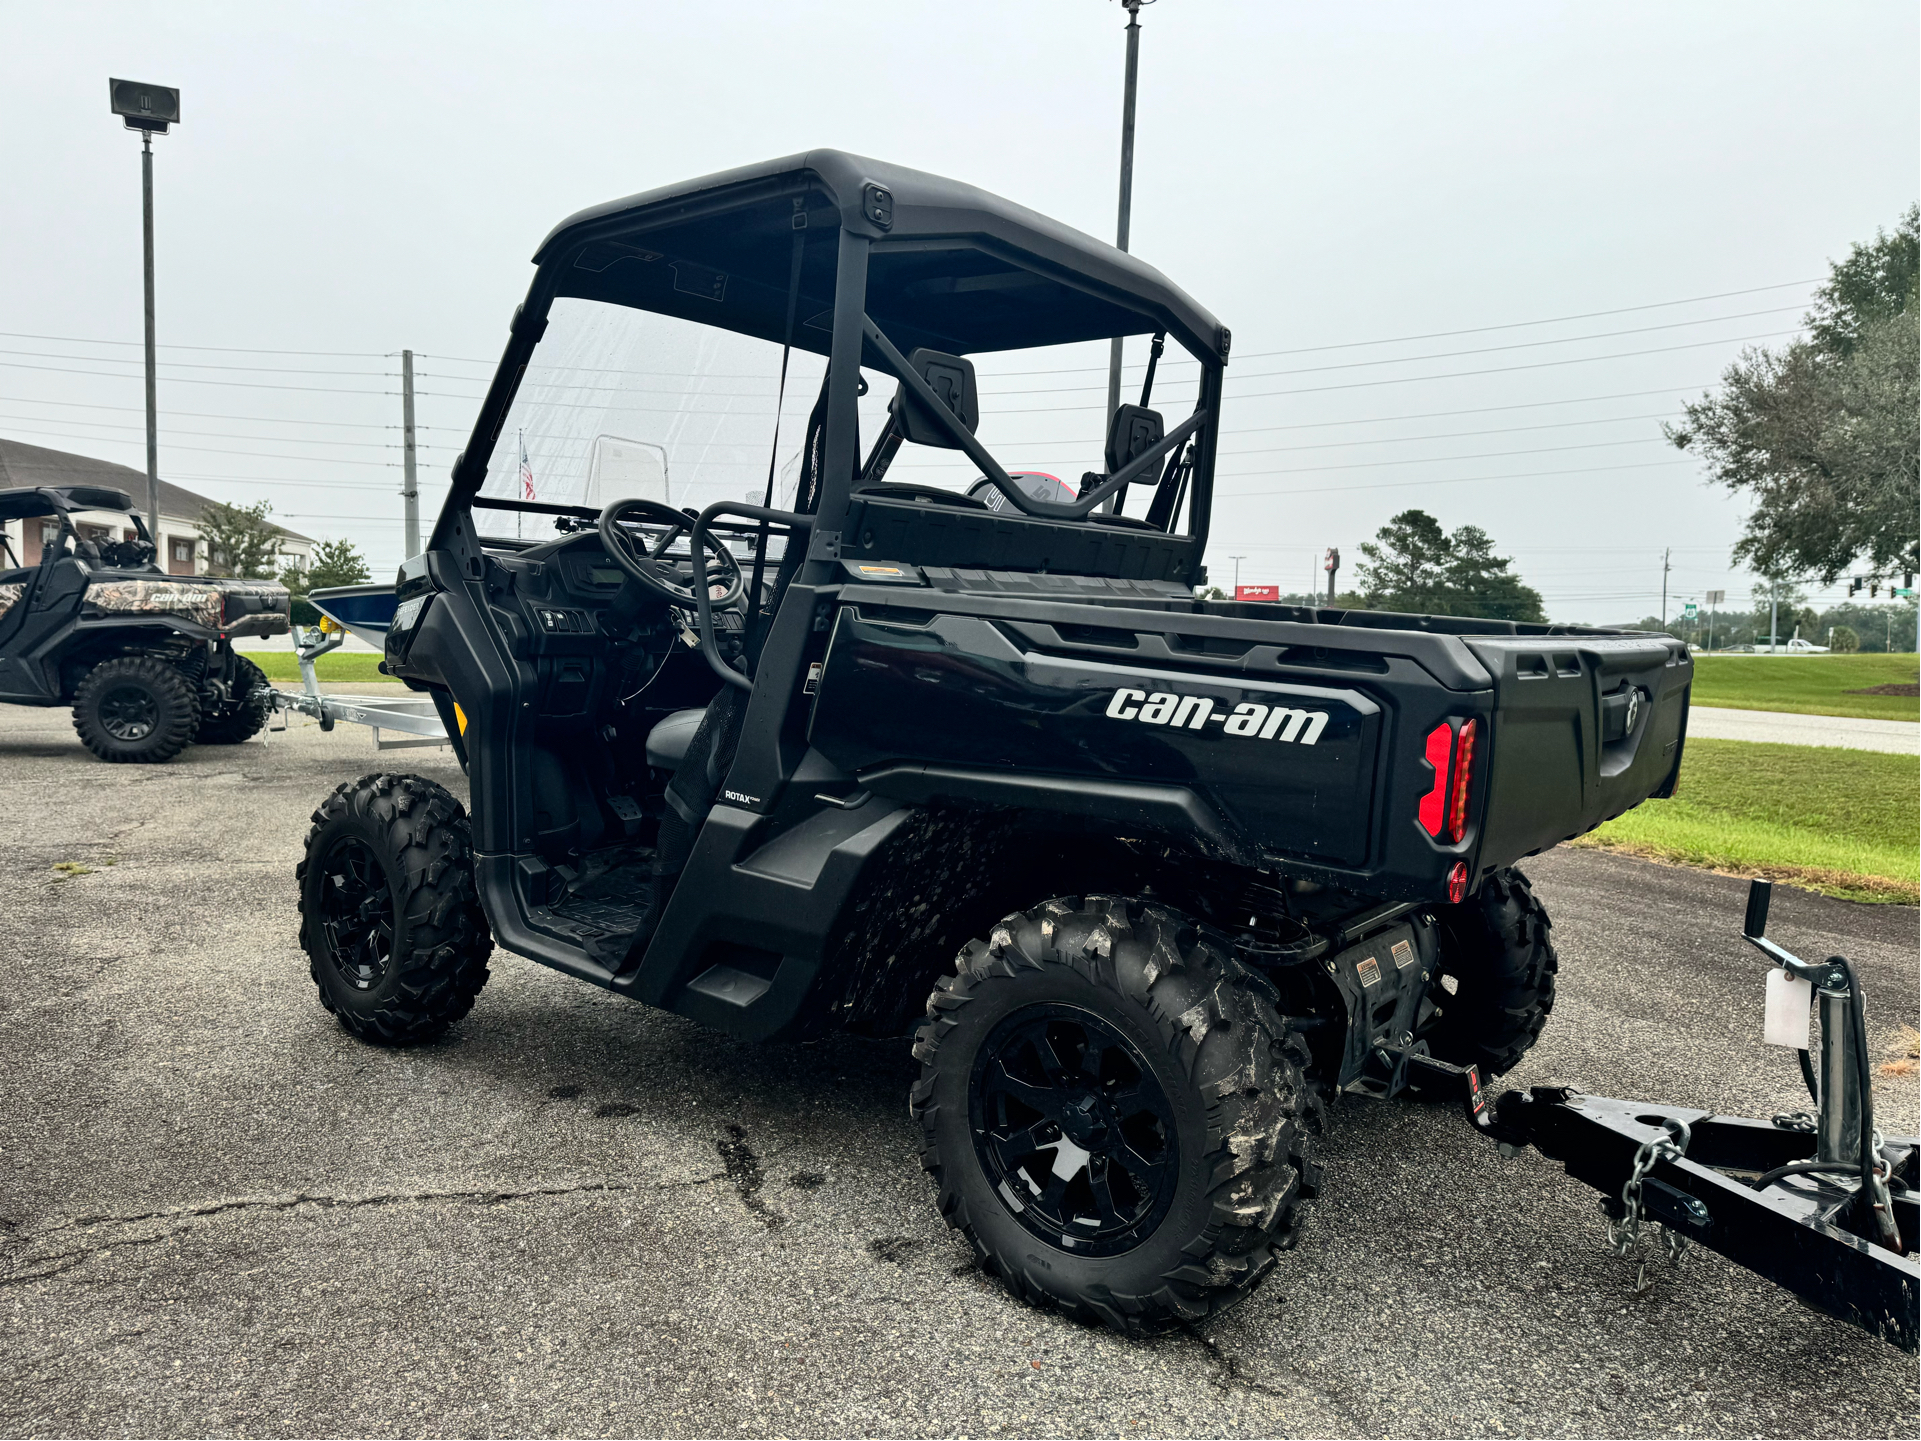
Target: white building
[182,550]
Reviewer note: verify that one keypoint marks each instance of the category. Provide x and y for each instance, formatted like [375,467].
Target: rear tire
[135,710]
[1120,1043]
[1497,946]
[242,718]
[393,930]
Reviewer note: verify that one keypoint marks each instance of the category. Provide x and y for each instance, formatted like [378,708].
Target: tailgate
[1584,728]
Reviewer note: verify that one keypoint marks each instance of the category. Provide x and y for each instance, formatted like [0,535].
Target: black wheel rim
[356,913]
[129,713]
[1074,1132]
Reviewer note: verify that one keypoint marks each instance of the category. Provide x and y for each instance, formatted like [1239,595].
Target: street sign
[1716,597]
[1690,610]
[1257,592]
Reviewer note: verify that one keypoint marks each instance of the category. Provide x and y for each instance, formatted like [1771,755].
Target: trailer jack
[1820,1204]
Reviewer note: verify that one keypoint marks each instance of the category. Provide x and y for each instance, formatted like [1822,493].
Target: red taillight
[1444,807]
[1457,805]
[1440,744]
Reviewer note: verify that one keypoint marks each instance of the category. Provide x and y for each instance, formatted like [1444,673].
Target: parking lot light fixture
[150,109]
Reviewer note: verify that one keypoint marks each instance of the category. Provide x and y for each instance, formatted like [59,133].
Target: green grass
[1842,822]
[282,665]
[1807,685]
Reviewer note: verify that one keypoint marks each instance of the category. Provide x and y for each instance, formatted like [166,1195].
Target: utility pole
[1133,8]
[1664,586]
[150,109]
[410,486]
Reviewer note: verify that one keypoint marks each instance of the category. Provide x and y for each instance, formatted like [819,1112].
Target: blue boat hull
[365,610]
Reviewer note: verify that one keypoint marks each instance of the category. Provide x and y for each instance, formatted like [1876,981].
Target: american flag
[526,473]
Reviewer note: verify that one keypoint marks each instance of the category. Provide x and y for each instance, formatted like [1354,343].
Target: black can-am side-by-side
[774,767]
[145,659]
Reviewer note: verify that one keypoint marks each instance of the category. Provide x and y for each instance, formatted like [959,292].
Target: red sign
[1257,592]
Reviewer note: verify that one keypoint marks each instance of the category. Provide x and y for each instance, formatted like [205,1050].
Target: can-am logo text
[1197,711]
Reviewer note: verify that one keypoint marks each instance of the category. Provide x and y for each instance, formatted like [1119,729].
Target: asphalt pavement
[219,1214]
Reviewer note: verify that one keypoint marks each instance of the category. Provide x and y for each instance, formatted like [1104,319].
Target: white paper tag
[1789,1000]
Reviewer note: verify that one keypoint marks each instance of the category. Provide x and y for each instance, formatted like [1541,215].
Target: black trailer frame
[1820,1204]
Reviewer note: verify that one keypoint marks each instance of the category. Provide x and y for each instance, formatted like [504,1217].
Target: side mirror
[951,377]
[1133,429]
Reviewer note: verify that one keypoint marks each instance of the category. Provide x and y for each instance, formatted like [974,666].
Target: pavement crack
[1228,1375]
[482,1197]
[743,1168]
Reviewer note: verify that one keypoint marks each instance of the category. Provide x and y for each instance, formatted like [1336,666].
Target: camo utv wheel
[135,709]
[1113,1111]
[242,718]
[393,930]
[1498,954]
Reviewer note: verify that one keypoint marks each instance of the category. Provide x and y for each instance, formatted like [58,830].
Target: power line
[1351,344]
[532,379]
[1450,374]
[190,380]
[210,415]
[222,450]
[224,349]
[192,365]
[1455,480]
[1436,355]
[41,422]
[1474,410]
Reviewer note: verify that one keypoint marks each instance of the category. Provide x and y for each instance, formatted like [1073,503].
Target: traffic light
[1853,587]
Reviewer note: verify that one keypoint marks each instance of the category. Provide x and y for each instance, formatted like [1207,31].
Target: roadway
[1789,728]
[219,1214]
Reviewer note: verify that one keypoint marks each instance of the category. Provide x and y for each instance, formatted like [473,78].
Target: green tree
[1823,435]
[1843,641]
[335,562]
[1414,565]
[241,541]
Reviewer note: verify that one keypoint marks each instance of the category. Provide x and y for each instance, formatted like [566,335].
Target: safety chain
[1625,1234]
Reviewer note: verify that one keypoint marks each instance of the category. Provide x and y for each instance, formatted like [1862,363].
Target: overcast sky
[1328,179]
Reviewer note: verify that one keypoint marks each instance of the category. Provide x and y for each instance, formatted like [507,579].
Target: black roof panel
[953,266]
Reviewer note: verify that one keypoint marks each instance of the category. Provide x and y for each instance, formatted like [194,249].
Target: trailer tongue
[1821,1204]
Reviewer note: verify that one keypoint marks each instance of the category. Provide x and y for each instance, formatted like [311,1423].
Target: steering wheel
[630,553]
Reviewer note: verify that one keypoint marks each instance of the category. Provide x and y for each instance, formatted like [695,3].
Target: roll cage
[64,502]
[867,264]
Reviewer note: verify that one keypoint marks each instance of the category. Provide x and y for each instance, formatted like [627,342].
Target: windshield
[619,403]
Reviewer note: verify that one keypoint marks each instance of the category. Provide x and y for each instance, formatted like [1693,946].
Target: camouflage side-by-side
[255,606]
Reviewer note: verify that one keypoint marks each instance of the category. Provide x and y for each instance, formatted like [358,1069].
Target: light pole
[409,483]
[1133,8]
[150,109]
[1237,559]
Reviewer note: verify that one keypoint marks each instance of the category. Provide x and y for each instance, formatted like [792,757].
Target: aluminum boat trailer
[409,718]
[1820,1203]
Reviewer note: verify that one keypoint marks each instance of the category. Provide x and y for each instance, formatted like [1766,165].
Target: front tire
[394,934]
[1113,1112]
[241,718]
[135,710]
